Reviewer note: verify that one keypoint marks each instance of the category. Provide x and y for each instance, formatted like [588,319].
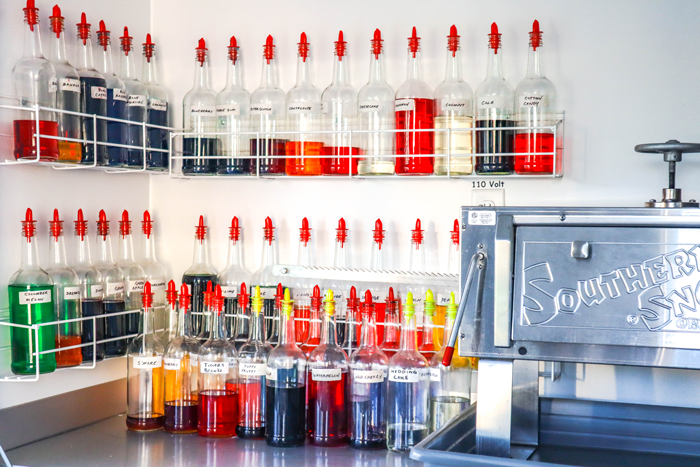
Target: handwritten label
[136,100]
[148,362]
[435,374]
[268,291]
[529,100]
[69,84]
[229,291]
[407,375]
[271,374]
[370,106]
[157,286]
[404,104]
[214,368]
[482,218]
[96,291]
[115,288]
[252,369]
[228,109]
[202,110]
[302,294]
[464,105]
[491,102]
[119,95]
[157,104]
[53,85]
[34,297]
[368,376]
[171,363]
[304,108]
[98,92]
[323,374]
[443,299]
[135,286]
[71,293]
[261,109]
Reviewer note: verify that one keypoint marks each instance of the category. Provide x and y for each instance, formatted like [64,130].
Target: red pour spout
[536,35]
[368,306]
[218,300]
[378,233]
[414,43]
[390,295]
[184,298]
[340,47]
[81,225]
[147,224]
[417,234]
[126,41]
[201,230]
[31,14]
[125,224]
[377,43]
[368,297]
[454,234]
[303,47]
[353,301]
[494,38]
[305,232]
[280,294]
[201,51]
[148,48]
[208,294]
[103,225]
[56,225]
[316,298]
[341,234]
[103,35]
[146,295]
[269,231]
[56,21]
[233,49]
[453,40]
[83,29]
[269,49]
[171,293]
[243,297]
[235,231]
[28,224]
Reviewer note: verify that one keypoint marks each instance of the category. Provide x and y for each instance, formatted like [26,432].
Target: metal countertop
[109,444]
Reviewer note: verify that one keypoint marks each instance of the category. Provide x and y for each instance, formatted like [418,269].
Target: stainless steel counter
[108,443]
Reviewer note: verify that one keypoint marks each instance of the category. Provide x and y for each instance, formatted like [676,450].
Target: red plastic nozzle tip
[494,38]
[31,14]
[147,224]
[269,231]
[453,40]
[56,225]
[377,43]
[235,231]
[316,298]
[56,21]
[103,224]
[390,295]
[353,301]
[447,358]
[536,35]
[317,291]
[171,293]
[341,233]
[103,35]
[28,224]
[454,233]
[81,225]
[269,49]
[305,231]
[417,234]
[303,47]
[126,41]
[148,48]
[233,49]
[83,28]
[201,51]
[125,224]
[279,295]
[201,230]
[340,47]
[208,294]
[184,298]
[368,297]
[378,233]
[218,299]
[146,295]
[243,297]
[414,42]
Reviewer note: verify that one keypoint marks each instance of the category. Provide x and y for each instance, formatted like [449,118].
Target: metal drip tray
[579,433]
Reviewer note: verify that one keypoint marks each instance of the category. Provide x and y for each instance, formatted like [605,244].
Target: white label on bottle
[147,362]
[370,106]
[157,104]
[34,297]
[443,299]
[435,374]
[171,363]
[136,100]
[482,217]
[456,105]
[115,288]
[229,291]
[322,374]
[203,110]
[376,298]
[228,109]
[491,102]
[69,84]
[529,100]
[135,286]
[304,108]
[404,104]
[252,369]
[96,291]
[261,109]
[368,376]
[71,293]
[214,368]
[53,85]
[268,292]
[271,373]
[407,375]
[119,94]
[98,92]
[302,294]
[157,286]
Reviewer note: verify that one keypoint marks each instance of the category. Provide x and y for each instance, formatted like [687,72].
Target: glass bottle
[116,100]
[314,338]
[181,371]
[93,94]
[352,329]
[199,116]
[285,391]
[443,297]
[113,298]
[304,114]
[367,386]
[339,102]
[414,108]
[66,297]
[136,104]
[170,331]
[134,276]
[241,330]
[252,372]
[218,379]
[263,277]
[454,109]
[145,382]
[275,318]
[327,371]
[201,272]
[68,93]
[232,276]
[233,116]
[416,263]
[536,99]
[158,110]
[91,292]
[450,387]
[268,114]
[494,109]
[154,272]
[35,83]
[407,390]
[379,289]
[31,298]
[341,259]
[303,288]
[427,337]
[392,328]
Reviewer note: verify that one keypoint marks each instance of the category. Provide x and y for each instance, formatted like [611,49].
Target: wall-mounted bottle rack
[366,275]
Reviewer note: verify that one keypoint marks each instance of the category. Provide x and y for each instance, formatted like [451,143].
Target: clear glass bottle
[205,330]
[443,296]
[114,292]
[199,274]
[327,372]
[218,379]
[494,109]
[241,331]
[154,272]
[407,390]
[68,93]
[536,100]
[454,109]
[268,114]
[199,116]
[415,110]
[352,321]
[341,259]
[416,263]
[232,276]
[367,386]
[93,95]
[379,289]
[426,347]
[35,83]
[303,288]
[233,116]
[252,372]
[134,276]
[181,370]
[145,380]
[116,100]
[170,331]
[392,328]
[339,102]
[314,338]
[285,392]
[450,387]
[304,114]
[158,110]
[263,277]
[136,104]
[274,320]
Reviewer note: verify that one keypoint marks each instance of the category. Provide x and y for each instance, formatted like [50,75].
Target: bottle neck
[201,75]
[270,75]
[82,250]
[234,73]
[147,324]
[149,249]
[58,48]
[304,77]
[391,324]
[314,321]
[449,324]
[376,69]
[30,255]
[234,254]
[201,252]
[105,65]
[453,68]
[340,258]
[32,41]
[85,61]
[217,324]
[416,261]
[57,252]
[328,335]
[340,71]
[269,253]
[127,66]
[287,329]
[453,263]
[414,70]
[104,245]
[207,321]
[494,65]
[148,70]
[427,335]
[257,327]
[408,333]
[304,257]
[369,330]
[126,249]
[377,258]
[535,65]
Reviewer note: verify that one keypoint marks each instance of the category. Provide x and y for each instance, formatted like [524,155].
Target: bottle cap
[409,309]
[56,226]
[367,305]
[454,234]
[303,47]
[81,226]
[268,231]
[243,297]
[390,300]
[56,21]
[341,233]
[287,304]
[494,38]
[28,224]
[126,41]
[208,294]
[340,47]
[417,234]
[451,309]
[316,298]
[535,35]
[200,230]
[146,295]
[103,35]
[377,43]
[171,294]
[329,303]
[269,49]
[125,224]
[31,14]
[353,301]
[184,298]
[83,29]
[147,224]
[148,48]
[429,305]
[217,300]
[279,295]
[201,50]
[453,40]
[235,230]
[257,301]
[378,233]
[103,225]
[414,42]
[233,49]
[305,232]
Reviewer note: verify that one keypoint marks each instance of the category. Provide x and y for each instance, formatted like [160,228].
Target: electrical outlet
[489,197]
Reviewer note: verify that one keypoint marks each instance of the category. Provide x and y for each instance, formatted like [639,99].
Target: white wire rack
[366,275]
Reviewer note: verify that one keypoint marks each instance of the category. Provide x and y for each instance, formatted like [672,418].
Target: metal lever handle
[672,149]
[477,261]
